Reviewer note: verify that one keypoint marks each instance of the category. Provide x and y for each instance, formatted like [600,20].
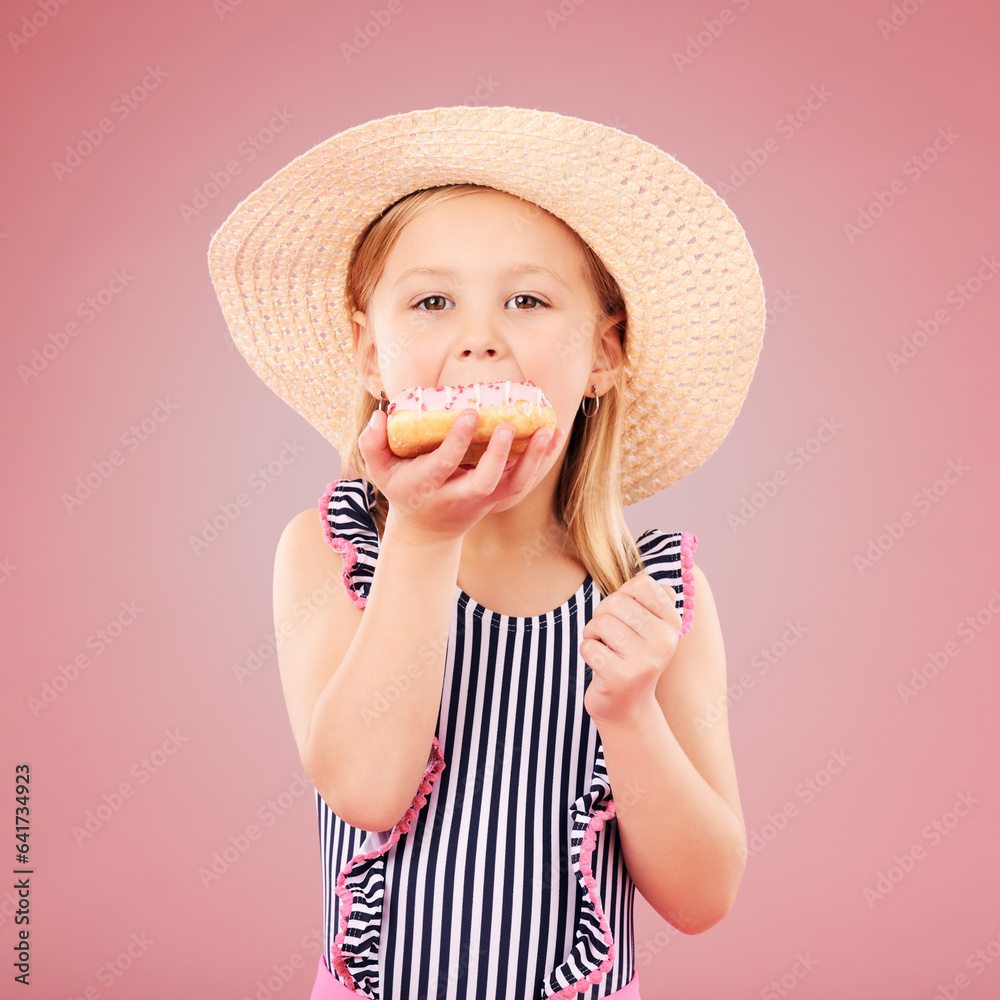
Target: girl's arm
[363,688]
[671,766]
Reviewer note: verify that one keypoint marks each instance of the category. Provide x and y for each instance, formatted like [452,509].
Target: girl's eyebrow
[511,272]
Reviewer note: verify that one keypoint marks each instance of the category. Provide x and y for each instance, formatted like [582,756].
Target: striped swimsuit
[505,880]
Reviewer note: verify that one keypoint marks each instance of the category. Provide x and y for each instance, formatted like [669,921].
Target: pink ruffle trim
[341,545]
[689,543]
[587,848]
[431,772]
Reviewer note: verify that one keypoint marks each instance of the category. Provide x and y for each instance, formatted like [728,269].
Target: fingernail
[373,418]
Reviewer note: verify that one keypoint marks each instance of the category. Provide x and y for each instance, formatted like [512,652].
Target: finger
[624,607]
[616,634]
[373,442]
[456,442]
[598,655]
[640,618]
[448,455]
[665,604]
[493,461]
[544,442]
[658,598]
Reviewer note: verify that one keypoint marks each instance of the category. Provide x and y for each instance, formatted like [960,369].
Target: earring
[583,404]
[381,392]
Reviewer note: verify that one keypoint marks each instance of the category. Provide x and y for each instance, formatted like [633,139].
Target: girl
[502,699]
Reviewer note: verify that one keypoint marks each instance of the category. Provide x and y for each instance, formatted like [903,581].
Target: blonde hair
[587,499]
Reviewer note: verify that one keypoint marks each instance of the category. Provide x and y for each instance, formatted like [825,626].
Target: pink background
[847,305]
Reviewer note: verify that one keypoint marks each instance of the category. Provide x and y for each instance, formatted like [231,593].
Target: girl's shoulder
[666,551]
[668,557]
[346,509]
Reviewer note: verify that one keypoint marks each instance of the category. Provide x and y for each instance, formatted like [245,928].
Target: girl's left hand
[628,644]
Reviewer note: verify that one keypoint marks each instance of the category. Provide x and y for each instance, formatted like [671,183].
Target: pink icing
[689,543]
[525,396]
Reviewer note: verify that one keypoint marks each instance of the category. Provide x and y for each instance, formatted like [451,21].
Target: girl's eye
[532,298]
[432,298]
[522,301]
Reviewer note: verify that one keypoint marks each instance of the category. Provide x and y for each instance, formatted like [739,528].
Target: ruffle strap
[361,888]
[689,543]
[593,952]
[349,528]
[668,558]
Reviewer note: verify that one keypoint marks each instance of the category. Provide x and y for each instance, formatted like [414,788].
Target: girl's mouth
[510,465]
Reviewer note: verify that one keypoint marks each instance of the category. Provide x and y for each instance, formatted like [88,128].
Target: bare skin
[473,333]
[678,811]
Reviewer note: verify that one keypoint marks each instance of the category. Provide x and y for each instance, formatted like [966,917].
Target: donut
[419,418]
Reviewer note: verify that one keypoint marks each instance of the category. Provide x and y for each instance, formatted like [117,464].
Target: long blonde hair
[587,498]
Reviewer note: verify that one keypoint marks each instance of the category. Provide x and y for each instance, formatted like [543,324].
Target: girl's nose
[479,339]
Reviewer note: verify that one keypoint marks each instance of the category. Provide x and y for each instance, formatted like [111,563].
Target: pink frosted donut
[420,418]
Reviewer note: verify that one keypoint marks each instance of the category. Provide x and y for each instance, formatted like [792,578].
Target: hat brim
[692,290]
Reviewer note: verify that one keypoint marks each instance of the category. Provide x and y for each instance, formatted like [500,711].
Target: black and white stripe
[482,896]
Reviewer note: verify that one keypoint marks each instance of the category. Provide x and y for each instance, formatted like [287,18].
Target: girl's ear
[608,354]
[365,352]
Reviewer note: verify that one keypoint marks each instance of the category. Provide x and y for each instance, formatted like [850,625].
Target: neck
[526,532]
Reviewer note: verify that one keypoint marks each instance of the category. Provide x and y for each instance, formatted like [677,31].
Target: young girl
[501,699]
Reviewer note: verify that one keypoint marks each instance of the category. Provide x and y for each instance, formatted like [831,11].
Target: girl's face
[485,288]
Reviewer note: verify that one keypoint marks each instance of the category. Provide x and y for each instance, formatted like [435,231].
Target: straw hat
[692,290]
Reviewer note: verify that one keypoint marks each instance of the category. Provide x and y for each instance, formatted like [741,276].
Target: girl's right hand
[431,496]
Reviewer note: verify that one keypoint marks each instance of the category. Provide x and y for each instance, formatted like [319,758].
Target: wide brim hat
[692,290]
